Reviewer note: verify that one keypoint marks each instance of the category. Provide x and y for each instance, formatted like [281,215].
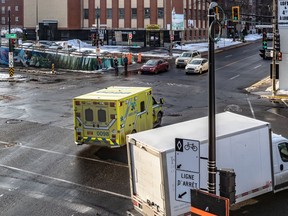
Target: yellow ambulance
[106,116]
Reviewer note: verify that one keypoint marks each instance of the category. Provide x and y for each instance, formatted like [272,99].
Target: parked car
[48,44]
[197,65]
[155,66]
[186,57]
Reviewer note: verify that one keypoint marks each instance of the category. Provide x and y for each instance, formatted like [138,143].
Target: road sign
[130,36]
[11,60]
[97,51]
[185,181]
[171,37]
[187,168]
[11,36]
[187,155]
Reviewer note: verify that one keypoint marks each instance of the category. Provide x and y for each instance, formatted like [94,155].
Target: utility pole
[97,27]
[171,35]
[211,124]
[37,24]
[274,50]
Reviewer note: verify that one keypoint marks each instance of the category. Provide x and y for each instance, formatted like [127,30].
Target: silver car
[186,57]
[197,65]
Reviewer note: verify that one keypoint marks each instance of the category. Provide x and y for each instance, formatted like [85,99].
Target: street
[44,173]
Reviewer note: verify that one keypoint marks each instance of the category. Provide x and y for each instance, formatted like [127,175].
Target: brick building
[149,21]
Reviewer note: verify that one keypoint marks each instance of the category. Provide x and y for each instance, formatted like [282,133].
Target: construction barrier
[139,58]
[52,69]
[11,71]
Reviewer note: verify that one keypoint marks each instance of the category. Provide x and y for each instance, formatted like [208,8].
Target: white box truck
[247,146]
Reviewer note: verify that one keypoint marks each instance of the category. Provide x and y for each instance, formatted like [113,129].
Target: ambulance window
[89,114]
[101,115]
[283,149]
[142,106]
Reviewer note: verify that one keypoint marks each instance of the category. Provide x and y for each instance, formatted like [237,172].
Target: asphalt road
[42,172]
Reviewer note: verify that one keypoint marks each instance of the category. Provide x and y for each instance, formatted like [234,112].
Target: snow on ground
[201,47]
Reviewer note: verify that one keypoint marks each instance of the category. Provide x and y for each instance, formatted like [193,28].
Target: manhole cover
[13,121]
[233,108]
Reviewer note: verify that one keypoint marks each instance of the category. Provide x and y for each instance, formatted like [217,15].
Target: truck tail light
[120,104]
[79,133]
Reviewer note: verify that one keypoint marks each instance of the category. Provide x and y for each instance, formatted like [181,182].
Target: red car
[155,66]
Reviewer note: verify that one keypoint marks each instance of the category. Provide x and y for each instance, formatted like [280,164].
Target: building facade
[149,21]
[16,13]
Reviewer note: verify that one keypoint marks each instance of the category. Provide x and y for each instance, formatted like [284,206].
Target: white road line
[257,66]
[68,155]
[232,63]
[65,181]
[234,77]
[228,56]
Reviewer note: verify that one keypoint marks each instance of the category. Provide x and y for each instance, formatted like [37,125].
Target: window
[3,21]
[16,19]
[283,149]
[109,13]
[147,13]
[3,10]
[101,115]
[160,13]
[2,1]
[16,8]
[9,8]
[89,115]
[86,13]
[142,106]
[121,13]
[134,13]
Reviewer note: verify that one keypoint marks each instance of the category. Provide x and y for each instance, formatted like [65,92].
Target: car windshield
[195,62]
[151,62]
[186,55]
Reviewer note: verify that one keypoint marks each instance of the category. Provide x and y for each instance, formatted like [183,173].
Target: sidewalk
[263,88]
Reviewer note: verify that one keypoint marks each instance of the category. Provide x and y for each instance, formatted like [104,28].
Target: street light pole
[97,27]
[171,31]
[37,25]
[211,124]
[274,50]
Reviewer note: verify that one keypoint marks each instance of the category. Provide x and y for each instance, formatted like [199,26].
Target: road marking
[234,77]
[232,63]
[257,66]
[228,56]
[68,155]
[65,181]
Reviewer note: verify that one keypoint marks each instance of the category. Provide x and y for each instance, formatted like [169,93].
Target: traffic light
[93,36]
[264,41]
[235,13]
[277,41]
[279,56]
[262,53]
[13,44]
